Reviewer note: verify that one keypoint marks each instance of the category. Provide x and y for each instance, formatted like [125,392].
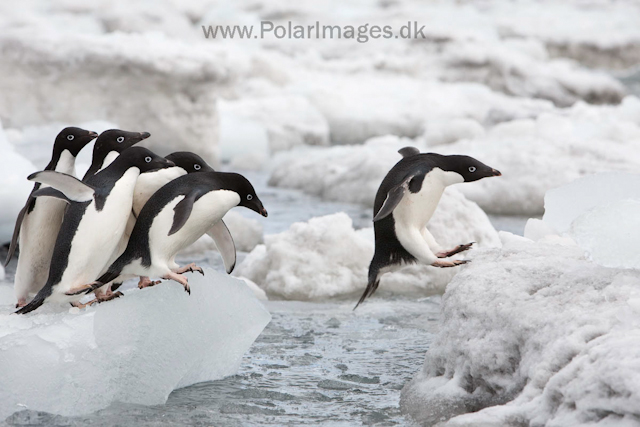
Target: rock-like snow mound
[135,349]
[326,258]
[538,335]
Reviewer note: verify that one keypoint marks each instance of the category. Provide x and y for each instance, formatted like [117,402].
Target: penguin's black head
[190,162]
[144,159]
[73,139]
[469,168]
[248,197]
[117,140]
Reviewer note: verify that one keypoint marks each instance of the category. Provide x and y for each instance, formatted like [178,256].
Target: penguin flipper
[224,242]
[409,151]
[74,189]
[16,233]
[51,192]
[394,196]
[183,210]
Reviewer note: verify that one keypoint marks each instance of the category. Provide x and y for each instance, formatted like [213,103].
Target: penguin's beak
[263,212]
[144,135]
[495,172]
[93,134]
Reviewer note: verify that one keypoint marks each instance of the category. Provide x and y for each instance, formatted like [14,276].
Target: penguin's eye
[197,167]
[472,168]
[70,137]
[249,197]
[148,159]
[120,139]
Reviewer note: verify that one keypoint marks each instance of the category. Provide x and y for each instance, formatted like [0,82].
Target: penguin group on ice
[133,211]
[129,216]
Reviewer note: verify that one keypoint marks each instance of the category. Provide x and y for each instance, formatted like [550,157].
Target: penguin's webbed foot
[21,303]
[191,268]
[145,282]
[456,250]
[180,279]
[108,297]
[447,264]
[84,289]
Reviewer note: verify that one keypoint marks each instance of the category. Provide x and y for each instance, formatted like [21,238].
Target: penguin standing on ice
[109,145]
[147,184]
[175,217]
[405,202]
[94,221]
[39,220]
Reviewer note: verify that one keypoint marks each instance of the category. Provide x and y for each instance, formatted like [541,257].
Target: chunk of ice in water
[135,349]
[564,204]
[610,234]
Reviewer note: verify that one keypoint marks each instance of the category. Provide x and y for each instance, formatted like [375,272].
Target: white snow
[609,234]
[564,204]
[135,349]
[536,334]
[326,258]
[14,187]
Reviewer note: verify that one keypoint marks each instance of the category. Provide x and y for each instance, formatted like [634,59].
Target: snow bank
[326,258]
[289,121]
[556,148]
[14,187]
[142,82]
[537,335]
[135,349]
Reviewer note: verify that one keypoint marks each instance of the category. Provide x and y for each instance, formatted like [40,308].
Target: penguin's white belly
[150,182]
[38,234]
[416,209]
[208,210]
[97,237]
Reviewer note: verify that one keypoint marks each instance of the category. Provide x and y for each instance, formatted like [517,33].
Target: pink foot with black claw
[447,264]
[456,250]
[180,279]
[191,268]
[145,282]
[21,302]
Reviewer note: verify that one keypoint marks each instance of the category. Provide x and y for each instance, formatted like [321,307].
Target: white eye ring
[70,137]
[148,159]
[472,168]
[197,167]
[249,197]
[120,139]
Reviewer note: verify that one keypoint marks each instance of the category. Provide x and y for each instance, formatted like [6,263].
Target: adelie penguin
[39,220]
[147,184]
[108,147]
[93,222]
[175,217]
[405,202]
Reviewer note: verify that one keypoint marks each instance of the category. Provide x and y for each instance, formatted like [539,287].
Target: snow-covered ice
[564,204]
[326,258]
[135,349]
[536,334]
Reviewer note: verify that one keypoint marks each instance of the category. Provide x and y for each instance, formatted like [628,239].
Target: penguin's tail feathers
[372,286]
[37,301]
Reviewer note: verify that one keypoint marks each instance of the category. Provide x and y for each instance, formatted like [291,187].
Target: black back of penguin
[203,183]
[112,140]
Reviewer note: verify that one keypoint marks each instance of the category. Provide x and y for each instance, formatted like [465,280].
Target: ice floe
[135,349]
[536,334]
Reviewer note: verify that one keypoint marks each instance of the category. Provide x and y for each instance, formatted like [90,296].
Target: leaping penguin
[109,145]
[175,217]
[93,223]
[404,204]
[39,220]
